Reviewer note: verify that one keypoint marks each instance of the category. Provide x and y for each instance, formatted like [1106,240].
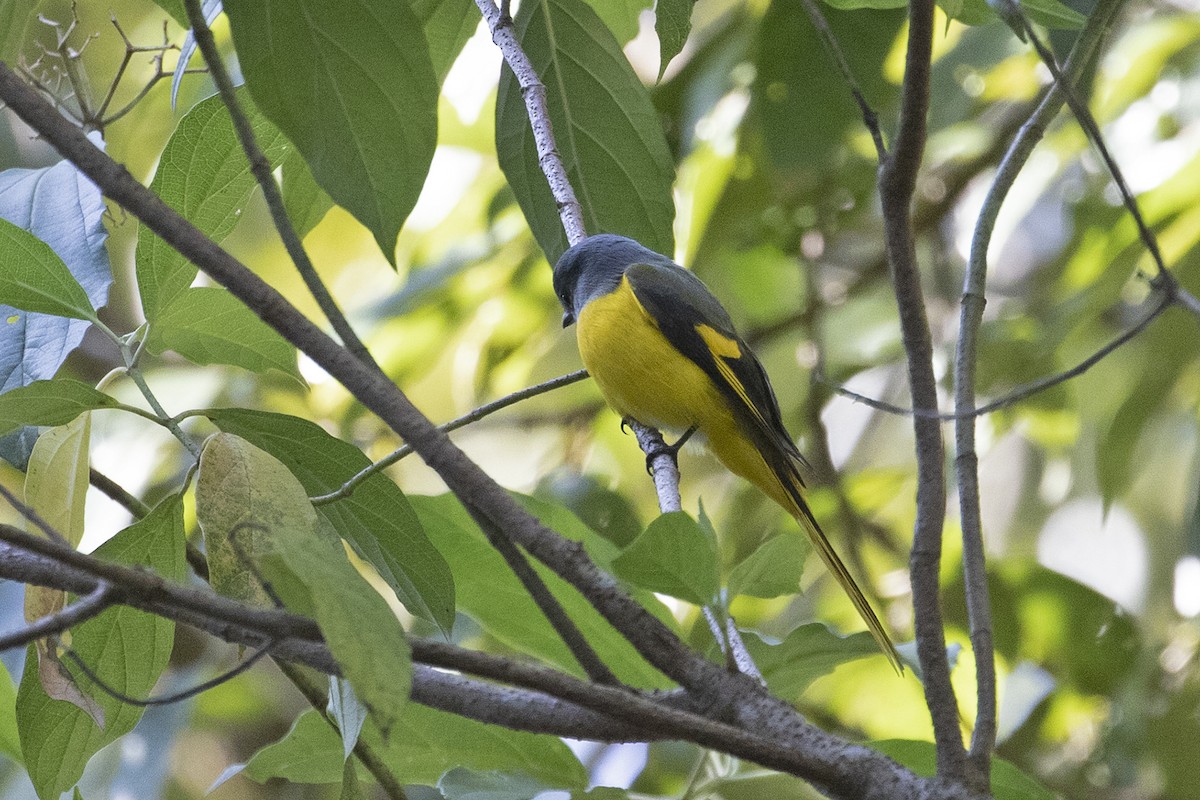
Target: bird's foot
[665,449]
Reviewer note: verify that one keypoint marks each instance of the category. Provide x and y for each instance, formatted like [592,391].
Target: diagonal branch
[261,169]
[534,94]
[94,604]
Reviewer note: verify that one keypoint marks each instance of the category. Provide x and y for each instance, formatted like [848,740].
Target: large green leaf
[607,132]
[800,96]
[773,569]
[53,402]
[243,507]
[241,485]
[491,594]
[203,174]
[34,278]
[208,325]
[376,519]
[351,84]
[448,26]
[422,747]
[673,556]
[806,654]
[128,649]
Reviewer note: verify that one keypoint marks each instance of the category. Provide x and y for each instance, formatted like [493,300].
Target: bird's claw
[671,450]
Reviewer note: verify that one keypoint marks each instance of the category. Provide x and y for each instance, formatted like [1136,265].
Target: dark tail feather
[842,575]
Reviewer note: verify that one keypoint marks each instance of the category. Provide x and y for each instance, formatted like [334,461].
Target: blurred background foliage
[1089,489]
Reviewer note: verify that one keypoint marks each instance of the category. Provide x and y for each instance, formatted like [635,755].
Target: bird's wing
[697,325]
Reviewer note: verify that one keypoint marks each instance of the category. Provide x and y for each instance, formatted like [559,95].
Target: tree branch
[261,169]
[95,603]
[844,769]
[347,488]
[534,93]
[966,462]
[897,181]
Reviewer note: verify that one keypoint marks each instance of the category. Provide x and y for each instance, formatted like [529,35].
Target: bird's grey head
[594,267]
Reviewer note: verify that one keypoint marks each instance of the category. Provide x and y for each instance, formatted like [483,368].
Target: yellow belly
[639,372]
[644,377]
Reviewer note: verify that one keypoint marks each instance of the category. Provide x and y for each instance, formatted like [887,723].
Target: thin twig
[591,662]
[261,169]
[136,508]
[534,93]
[897,182]
[966,462]
[34,517]
[1166,300]
[168,699]
[83,609]
[475,415]
[834,49]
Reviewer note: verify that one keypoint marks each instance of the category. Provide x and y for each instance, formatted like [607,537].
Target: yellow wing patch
[723,347]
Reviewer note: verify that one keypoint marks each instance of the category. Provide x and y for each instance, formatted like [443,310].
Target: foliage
[733,143]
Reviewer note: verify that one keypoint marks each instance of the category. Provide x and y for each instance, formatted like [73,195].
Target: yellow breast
[639,372]
[643,376]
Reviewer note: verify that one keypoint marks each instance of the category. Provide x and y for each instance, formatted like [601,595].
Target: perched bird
[664,352]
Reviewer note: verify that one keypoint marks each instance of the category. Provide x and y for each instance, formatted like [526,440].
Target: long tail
[820,541]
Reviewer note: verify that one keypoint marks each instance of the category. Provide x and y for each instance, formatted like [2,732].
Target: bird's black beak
[568,318]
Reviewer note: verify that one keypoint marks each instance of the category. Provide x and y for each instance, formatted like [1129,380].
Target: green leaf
[242,485]
[351,84]
[606,129]
[362,631]
[311,752]
[243,506]
[1051,13]
[35,279]
[347,713]
[492,595]
[306,203]
[773,569]
[465,784]
[1008,782]
[10,742]
[377,519]
[56,482]
[15,16]
[127,648]
[804,655]
[203,174]
[622,17]
[672,23]
[448,26]
[427,743]
[208,325]
[53,402]
[672,556]
[794,77]
[422,746]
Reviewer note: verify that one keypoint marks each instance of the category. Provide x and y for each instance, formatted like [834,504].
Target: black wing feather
[678,302]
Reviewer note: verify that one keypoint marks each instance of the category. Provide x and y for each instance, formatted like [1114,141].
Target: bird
[664,353]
